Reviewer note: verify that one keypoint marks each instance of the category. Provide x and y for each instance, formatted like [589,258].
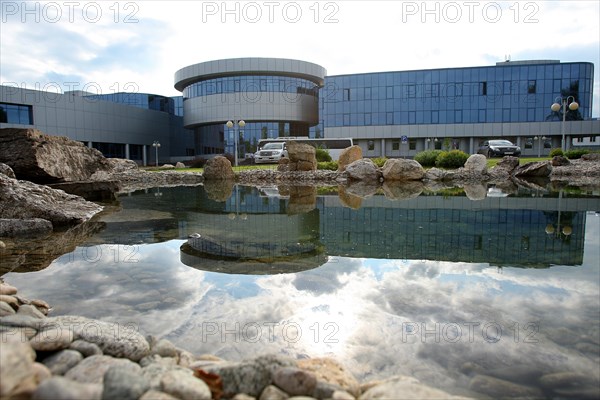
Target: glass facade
[140,100]
[250,84]
[16,114]
[507,92]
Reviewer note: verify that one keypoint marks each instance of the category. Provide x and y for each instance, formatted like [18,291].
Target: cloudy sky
[138,45]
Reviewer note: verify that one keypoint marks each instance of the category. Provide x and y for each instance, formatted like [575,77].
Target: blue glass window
[16,114]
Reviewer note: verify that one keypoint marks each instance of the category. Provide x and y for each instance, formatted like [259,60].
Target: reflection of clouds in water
[357,310]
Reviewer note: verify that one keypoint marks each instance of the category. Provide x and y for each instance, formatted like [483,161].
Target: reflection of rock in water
[303,199]
[402,190]
[475,191]
[209,255]
[219,190]
[26,255]
[348,199]
[363,189]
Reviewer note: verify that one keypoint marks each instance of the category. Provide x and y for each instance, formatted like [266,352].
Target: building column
[382,147]
[568,142]
[471,147]
[90,144]
[144,155]
[127,151]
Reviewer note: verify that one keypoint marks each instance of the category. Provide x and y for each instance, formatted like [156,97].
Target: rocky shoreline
[47,357]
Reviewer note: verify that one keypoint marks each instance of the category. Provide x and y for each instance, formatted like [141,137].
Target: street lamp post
[156,145]
[565,101]
[237,124]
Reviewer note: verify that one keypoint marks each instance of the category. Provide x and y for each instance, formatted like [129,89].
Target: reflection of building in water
[495,236]
[253,231]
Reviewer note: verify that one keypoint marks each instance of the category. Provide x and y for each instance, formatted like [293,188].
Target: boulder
[302,157]
[218,168]
[560,161]
[536,169]
[25,200]
[6,170]
[400,169]
[348,156]
[363,169]
[24,227]
[591,157]
[505,167]
[42,158]
[476,163]
[435,174]
[179,164]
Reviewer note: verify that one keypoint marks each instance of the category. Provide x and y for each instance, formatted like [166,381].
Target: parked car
[499,148]
[271,153]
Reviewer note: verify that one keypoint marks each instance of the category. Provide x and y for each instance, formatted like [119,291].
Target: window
[395,144]
[389,118]
[579,140]
[529,143]
[368,119]
[412,144]
[367,93]
[16,114]
[593,139]
[370,145]
[531,87]
[412,91]
[346,94]
[389,92]
[483,88]
[346,119]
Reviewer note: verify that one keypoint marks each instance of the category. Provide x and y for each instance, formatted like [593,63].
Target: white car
[271,153]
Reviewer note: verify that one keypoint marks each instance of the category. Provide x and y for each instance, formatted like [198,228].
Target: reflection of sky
[368,313]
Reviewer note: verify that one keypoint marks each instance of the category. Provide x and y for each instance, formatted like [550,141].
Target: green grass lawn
[491,162]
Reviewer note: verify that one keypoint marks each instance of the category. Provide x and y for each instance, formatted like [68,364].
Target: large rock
[6,170]
[16,360]
[363,170]
[400,169]
[348,156]
[24,227]
[25,200]
[42,158]
[505,167]
[302,157]
[535,169]
[218,168]
[476,163]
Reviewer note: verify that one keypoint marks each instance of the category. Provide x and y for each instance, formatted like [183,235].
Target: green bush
[322,155]
[575,153]
[427,158]
[328,165]
[379,161]
[556,152]
[451,159]
[197,163]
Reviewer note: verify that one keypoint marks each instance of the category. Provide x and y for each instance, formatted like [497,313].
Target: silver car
[271,153]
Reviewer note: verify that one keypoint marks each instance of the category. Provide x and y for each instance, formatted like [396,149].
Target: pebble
[407,387]
[123,384]
[59,363]
[18,333]
[60,388]
[11,300]
[164,348]
[31,311]
[6,309]
[156,395]
[154,372]
[295,381]
[21,320]
[331,371]
[92,369]
[7,289]
[184,386]
[273,393]
[85,348]
[156,359]
[51,339]
[16,359]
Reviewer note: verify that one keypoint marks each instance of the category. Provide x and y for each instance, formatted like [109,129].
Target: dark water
[499,296]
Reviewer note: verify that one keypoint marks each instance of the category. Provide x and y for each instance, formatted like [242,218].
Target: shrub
[451,159]
[575,153]
[427,158]
[322,155]
[556,152]
[328,165]
[197,163]
[379,161]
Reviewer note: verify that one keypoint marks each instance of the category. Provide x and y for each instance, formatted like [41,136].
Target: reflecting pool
[496,297]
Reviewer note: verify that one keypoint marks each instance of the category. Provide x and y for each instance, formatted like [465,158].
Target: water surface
[439,287]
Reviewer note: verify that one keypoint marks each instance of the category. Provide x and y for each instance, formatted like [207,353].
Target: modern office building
[392,114]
